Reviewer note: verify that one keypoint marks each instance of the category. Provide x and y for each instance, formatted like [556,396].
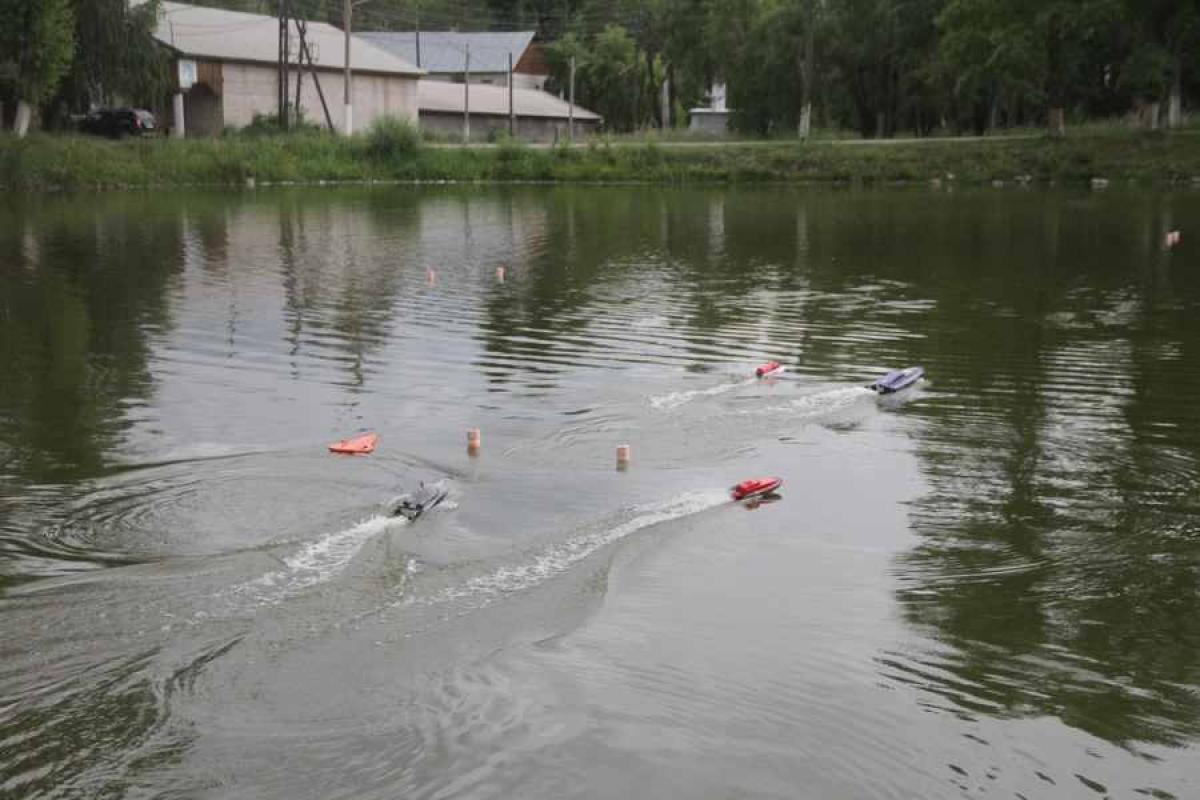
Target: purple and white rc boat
[898,380]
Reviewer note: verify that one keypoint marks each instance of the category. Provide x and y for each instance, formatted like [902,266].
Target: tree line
[878,67]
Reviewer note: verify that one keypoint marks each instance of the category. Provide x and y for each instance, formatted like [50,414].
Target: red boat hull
[756,487]
[358,446]
[770,368]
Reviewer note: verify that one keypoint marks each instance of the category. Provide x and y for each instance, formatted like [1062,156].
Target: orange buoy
[357,446]
[623,455]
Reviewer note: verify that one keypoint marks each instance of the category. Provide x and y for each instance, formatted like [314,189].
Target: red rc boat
[756,487]
[769,368]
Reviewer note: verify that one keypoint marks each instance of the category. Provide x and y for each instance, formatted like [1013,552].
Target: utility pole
[418,35]
[571,110]
[284,66]
[301,32]
[306,53]
[347,103]
[467,98]
[512,114]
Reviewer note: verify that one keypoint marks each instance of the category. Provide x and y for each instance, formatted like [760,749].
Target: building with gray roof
[226,68]
[443,55]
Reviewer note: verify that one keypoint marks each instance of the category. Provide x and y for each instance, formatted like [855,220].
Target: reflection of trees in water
[536,322]
[1059,542]
[84,287]
[344,270]
[606,254]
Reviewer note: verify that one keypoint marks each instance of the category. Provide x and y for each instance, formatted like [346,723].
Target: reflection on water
[989,583]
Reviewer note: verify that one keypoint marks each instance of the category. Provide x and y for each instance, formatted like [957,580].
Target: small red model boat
[358,446]
[769,368]
[756,487]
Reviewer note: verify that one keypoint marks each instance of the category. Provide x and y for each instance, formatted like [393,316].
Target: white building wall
[485,78]
[251,89]
[522,80]
[248,89]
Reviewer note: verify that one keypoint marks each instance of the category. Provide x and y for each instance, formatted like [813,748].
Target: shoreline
[51,163]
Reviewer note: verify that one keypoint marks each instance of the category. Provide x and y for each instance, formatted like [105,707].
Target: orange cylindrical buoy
[500,274]
[623,454]
[473,441]
[430,277]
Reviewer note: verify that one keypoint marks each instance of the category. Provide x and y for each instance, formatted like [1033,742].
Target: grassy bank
[73,162]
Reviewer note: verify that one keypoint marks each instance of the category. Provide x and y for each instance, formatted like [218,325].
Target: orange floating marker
[500,274]
[474,440]
[623,455]
[430,277]
[357,446]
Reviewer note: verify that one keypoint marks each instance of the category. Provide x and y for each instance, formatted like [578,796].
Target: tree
[116,55]
[1165,32]
[1046,53]
[36,47]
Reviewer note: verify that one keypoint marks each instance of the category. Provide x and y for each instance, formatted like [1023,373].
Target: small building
[539,116]
[227,67]
[443,55]
[714,120]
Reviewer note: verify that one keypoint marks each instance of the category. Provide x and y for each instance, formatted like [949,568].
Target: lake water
[986,586]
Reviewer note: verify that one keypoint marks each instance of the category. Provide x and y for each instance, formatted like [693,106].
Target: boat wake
[541,566]
[667,402]
[819,404]
[316,562]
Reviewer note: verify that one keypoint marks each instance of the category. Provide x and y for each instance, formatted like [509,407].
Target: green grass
[47,162]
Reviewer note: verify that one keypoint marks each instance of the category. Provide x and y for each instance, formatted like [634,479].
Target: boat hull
[898,381]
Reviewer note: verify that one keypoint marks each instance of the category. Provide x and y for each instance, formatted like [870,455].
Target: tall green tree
[117,55]
[36,47]
[1164,39]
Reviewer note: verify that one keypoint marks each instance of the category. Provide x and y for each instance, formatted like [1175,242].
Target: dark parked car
[118,123]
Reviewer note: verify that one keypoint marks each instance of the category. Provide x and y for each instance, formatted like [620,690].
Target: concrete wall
[253,88]
[709,122]
[484,127]
[523,80]
[487,78]
[520,80]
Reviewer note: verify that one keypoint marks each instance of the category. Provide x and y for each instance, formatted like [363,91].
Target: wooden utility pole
[512,114]
[306,53]
[284,67]
[301,30]
[571,110]
[467,97]
[418,35]
[347,104]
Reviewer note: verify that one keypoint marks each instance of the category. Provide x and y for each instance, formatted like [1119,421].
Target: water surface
[986,586]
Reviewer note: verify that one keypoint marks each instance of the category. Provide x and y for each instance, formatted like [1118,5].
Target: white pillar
[179,129]
[24,116]
[805,120]
[348,119]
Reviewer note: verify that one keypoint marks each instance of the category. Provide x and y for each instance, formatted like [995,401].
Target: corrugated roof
[445,51]
[214,33]
[449,98]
